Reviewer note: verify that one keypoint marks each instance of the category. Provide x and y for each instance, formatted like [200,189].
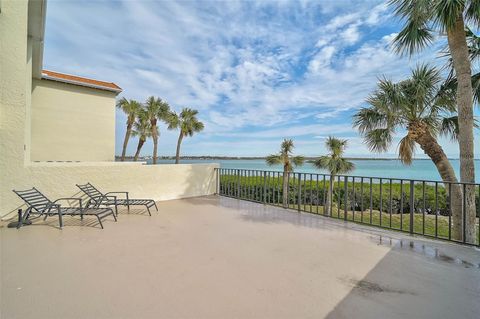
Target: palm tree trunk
[285,188]
[457,44]
[125,140]
[139,147]
[327,208]
[177,155]
[419,132]
[155,143]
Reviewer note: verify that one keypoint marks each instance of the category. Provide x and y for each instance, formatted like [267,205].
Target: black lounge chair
[39,204]
[98,199]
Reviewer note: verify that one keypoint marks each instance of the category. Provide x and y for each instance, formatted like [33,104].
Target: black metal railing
[422,207]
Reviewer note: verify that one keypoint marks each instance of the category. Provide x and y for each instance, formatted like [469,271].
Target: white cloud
[247,66]
[351,34]
[322,59]
[377,14]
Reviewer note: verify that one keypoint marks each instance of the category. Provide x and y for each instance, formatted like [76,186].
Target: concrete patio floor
[214,257]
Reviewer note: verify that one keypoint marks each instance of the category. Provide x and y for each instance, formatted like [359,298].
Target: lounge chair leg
[148,208]
[45,218]
[100,221]
[60,220]
[128,207]
[155,206]
[114,217]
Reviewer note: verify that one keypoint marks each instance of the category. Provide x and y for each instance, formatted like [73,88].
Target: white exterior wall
[71,123]
[159,182]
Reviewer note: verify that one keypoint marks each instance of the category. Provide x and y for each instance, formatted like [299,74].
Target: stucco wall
[71,123]
[159,182]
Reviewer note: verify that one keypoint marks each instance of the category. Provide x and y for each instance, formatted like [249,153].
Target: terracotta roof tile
[77,80]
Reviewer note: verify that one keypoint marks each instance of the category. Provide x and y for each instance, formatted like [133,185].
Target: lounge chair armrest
[70,198]
[102,200]
[50,207]
[107,197]
[126,193]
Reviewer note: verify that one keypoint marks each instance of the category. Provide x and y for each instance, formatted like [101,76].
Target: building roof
[81,81]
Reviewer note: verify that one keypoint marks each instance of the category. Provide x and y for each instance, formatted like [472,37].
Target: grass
[422,224]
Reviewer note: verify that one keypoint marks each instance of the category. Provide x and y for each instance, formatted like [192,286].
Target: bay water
[419,169]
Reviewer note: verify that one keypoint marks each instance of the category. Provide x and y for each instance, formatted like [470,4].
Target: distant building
[82,109]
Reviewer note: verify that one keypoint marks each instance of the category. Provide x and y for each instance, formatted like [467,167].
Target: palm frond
[298,160]
[472,12]
[473,42]
[406,149]
[334,165]
[186,121]
[415,36]
[476,87]
[449,127]
[367,119]
[157,108]
[445,98]
[445,13]
[323,162]
[163,110]
[142,127]
[274,159]
[335,145]
[450,88]
[344,166]
[130,108]
[287,147]
[379,140]
[197,126]
[172,120]
[284,157]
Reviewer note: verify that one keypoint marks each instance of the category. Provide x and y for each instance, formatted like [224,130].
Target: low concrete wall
[159,182]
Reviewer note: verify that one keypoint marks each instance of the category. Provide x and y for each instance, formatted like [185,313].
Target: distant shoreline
[307,158]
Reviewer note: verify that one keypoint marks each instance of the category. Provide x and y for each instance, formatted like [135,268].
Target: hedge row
[386,197]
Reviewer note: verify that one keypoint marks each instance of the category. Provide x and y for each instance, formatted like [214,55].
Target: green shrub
[386,197]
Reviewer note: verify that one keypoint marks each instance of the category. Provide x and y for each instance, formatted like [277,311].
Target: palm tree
[423,18]
[156,110]
[285,158]
[142,129]
[425,109]
[335,164]
[474,50]
[130,107]
[188,124]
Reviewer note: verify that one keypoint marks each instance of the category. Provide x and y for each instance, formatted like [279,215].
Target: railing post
[464,214]
[345,181]
[264,187]
[412,201]
[285,197]
[299,190]
[218,181]
[238,183]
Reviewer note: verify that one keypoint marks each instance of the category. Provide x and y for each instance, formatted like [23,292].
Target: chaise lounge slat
[97,199]
[39,204]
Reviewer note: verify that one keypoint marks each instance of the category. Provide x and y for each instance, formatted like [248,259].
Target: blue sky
[258,72]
